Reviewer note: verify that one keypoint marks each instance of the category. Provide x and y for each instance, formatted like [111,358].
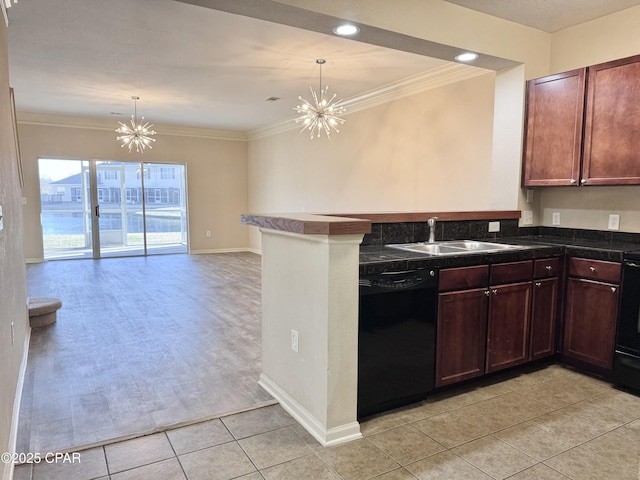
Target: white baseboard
[34,260]
[219,250]
[13,435]
[327,437]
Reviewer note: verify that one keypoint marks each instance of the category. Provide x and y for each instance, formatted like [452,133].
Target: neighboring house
[161,183]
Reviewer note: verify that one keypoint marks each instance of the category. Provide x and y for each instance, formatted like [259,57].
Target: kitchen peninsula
[310,269]
[310,319]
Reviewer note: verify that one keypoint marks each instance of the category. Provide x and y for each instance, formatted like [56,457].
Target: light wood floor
[141,344]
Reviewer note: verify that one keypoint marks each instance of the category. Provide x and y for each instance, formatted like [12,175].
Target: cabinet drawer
[595,269]
[546,267]
[464,278]
[511,272]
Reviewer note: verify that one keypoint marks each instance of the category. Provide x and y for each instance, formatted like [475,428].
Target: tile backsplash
[409,232]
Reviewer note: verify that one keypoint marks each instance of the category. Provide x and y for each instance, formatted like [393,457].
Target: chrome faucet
[432,229]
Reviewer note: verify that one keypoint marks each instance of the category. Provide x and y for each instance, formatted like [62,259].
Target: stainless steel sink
[481,246]
[455,247]
[430,248]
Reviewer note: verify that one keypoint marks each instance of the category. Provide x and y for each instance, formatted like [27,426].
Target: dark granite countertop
[379,258]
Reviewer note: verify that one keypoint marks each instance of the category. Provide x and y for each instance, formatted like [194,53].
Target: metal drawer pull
[548,267]
[495,292]
[538,284]
[613,289]
[486,292]
[593,269]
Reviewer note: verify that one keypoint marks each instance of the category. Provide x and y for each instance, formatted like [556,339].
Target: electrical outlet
[614,222]
[208,233]
[494,226]
[527,217]
[555,218]
[294,340]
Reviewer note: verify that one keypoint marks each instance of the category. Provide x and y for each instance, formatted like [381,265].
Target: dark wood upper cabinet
[612,124]
[555,106]
[582,127]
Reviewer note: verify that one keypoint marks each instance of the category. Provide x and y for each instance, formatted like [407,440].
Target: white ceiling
[197,66]
[547,15]
[189,65]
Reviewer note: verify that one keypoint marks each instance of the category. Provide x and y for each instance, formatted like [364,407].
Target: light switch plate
[494,226]
[527,217]
[555,218]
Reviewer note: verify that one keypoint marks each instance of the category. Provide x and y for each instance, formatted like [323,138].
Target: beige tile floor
[545,423]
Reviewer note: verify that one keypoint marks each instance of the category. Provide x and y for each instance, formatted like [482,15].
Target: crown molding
[93,123]
[434,78]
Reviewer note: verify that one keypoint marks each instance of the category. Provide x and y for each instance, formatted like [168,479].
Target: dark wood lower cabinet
[508,330]
[482,328]
[590,321]
[543,318]
[462,333]
[492,317]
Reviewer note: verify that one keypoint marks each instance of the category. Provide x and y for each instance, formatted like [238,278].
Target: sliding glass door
[66,212]
[165,206]
[94,209]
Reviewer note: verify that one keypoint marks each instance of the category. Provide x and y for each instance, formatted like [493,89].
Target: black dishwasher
[396,339]
[626,358]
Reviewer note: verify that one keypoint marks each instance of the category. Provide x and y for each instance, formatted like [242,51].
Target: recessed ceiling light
[467,57]
[346,29]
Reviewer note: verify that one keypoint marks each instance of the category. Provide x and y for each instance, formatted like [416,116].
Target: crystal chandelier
[138,134]
[322,114]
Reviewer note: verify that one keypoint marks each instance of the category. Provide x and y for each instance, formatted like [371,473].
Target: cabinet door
[554,119]
[612,124]
[543,318]
[462,330]
[590,321]
[508,331]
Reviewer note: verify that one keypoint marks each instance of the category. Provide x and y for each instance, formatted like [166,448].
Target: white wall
[427,152]
[13,290]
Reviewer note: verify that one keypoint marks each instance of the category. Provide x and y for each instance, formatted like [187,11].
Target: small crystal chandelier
[322,114]
[138,134]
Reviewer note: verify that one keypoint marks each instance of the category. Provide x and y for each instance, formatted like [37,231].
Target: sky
[58,169]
